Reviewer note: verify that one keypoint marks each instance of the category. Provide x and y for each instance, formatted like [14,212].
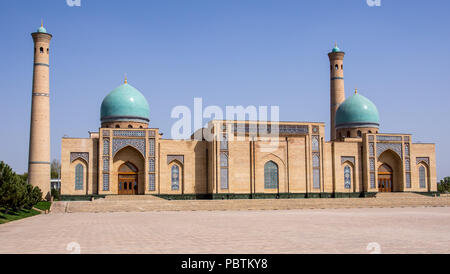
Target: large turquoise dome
[125,103]
[357,111]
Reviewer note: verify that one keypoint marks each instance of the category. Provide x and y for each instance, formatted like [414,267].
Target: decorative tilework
[175,177]
[408,180]
[422,177]
[79,155]
[351,159]
[224,178]
[270,175]
[372,180]
[372,149]
[315,142]
[151,147]
[79,177]
[105,182]
[138,144]
[316,160]
[151,165]
[423,159]
[224,142]
[105,163]
[223,159]
[316,178]
[152,133]
[407,149]
[129,133]
[389,138]
[372,164]
[406,138]
[347,177]
[396,147]
[179,158]
[106,146]
[105,132]
[282,129]
[371,138]
[407,165]
[151,182]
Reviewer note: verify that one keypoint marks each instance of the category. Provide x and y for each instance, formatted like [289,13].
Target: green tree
[15,192]
[55,169]
[444,185]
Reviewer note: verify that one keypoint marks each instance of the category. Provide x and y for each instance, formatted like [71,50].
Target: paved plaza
[355,230]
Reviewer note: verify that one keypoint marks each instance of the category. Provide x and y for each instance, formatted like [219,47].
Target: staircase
[398,195]
[132,198]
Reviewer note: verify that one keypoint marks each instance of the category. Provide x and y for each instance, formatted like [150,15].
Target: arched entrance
[128,179]
[385,178]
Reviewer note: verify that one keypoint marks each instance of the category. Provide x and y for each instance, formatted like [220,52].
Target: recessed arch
[128,168]
[390,171]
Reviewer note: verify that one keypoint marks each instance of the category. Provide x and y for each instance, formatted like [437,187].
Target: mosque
[127,156]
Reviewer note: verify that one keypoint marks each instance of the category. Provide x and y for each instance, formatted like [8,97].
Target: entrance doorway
[128,179]
[385,179]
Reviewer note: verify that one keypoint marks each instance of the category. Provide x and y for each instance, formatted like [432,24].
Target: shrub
[15,193]
[444,185]
[55,194]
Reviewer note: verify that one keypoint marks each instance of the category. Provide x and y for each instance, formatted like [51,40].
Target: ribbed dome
[125,103]
[357,111]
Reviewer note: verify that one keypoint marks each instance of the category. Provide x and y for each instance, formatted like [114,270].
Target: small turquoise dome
[357,111]
[336,49]
[42,30]
[125,103]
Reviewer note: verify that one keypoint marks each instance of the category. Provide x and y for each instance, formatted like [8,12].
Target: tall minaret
[39,153]
[337,92]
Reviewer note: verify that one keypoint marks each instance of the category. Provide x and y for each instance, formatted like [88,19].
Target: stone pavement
[392,230]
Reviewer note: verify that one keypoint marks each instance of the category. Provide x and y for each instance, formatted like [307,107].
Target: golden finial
[335,44]
[356,91]
[126,79]
[42,23]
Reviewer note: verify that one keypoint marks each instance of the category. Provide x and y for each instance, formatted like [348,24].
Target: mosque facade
[126,156]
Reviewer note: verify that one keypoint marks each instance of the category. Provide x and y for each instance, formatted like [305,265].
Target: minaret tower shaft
[337,91]
[39,150]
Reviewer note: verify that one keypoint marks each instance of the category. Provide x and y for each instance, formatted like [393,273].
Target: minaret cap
[42,29]
[126,79]
[336,49]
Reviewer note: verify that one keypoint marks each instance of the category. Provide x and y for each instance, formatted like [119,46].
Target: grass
[14,216]
[43,206]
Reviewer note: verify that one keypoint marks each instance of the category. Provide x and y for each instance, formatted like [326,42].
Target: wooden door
[385,179]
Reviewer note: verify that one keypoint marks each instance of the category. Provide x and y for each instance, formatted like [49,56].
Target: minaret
[337,92]
[39,153]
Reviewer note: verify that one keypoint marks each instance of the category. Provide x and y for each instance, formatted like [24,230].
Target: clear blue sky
[229,52]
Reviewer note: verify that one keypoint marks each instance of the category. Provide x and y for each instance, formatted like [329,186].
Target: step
[131,197]
[398,195]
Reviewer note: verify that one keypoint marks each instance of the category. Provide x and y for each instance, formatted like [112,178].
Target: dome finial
[356,91]
[126,79]
[335,44]
[42,23]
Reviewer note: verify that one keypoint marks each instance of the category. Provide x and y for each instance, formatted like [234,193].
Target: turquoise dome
[336,49]
[357,111]
[42,30]
[125,103]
